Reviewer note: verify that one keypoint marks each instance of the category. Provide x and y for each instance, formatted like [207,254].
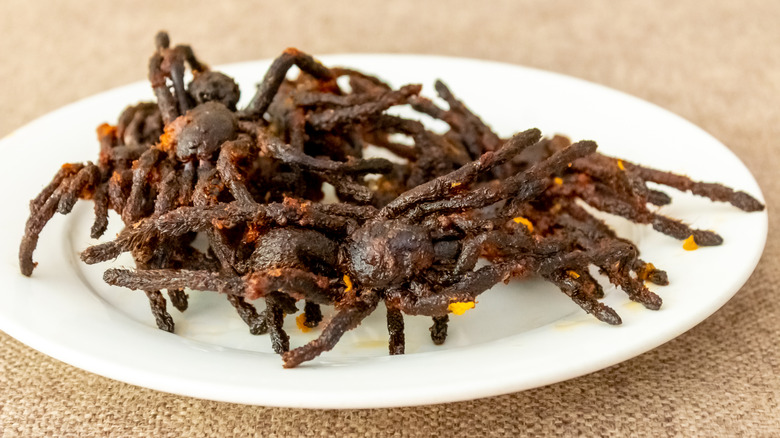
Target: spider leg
[615,260]
[43,209]
[361,83]
[119,186]
[168,191]
[87,176]
[186,184]
[142,167]
[582,291]
[713,191]
[152,279]
[274,319]
[436,304]
[312,314]
[521,187]
[439,329]
[257,322]
[594,230]
[602,200]
[475,134]
[101,201]
[161,316]
[165,100]
[229,155]
[332,118]
[298,284]
[65,172]
[174,61]
[297,158]
[195,219]
[395,329]
[179,299]
[450,183]
[346,319]
[276,74]
[189,56]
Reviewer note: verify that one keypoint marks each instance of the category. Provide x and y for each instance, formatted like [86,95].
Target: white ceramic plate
[519,336]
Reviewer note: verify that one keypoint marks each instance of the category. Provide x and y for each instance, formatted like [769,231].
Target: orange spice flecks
[252,234]
[645,273]
[573,274]
[455,184]
[526,222]
[167,139]
[690,244]
[348,282]
[558,181]
[106,130]
[459,308]
[620,165]
[300,321]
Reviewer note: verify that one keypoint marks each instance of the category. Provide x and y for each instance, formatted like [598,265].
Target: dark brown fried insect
[407,233]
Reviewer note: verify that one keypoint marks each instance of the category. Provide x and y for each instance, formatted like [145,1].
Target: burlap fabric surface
[715,63]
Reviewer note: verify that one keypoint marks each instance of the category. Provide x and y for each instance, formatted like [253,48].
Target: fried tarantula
[408,233]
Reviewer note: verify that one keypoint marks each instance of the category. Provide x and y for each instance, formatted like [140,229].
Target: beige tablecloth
[716,63]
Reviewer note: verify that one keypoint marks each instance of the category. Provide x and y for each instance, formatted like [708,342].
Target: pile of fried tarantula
[407,232]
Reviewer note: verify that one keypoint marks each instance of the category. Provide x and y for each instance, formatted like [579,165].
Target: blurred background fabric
[714,63]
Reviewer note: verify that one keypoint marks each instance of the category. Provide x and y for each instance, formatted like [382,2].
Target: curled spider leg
[43,207]
[65,172]
[345,319]
[395,329]
[257,321]
[275,76]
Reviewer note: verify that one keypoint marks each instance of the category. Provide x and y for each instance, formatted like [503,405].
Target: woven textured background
[715,63]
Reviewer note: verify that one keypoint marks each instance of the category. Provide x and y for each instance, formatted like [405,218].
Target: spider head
[385,253]
[205,128]
[214,86]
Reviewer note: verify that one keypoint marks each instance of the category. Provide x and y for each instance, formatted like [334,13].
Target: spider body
[386,253]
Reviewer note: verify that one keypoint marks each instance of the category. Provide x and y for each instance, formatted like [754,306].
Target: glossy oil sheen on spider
[408,233]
